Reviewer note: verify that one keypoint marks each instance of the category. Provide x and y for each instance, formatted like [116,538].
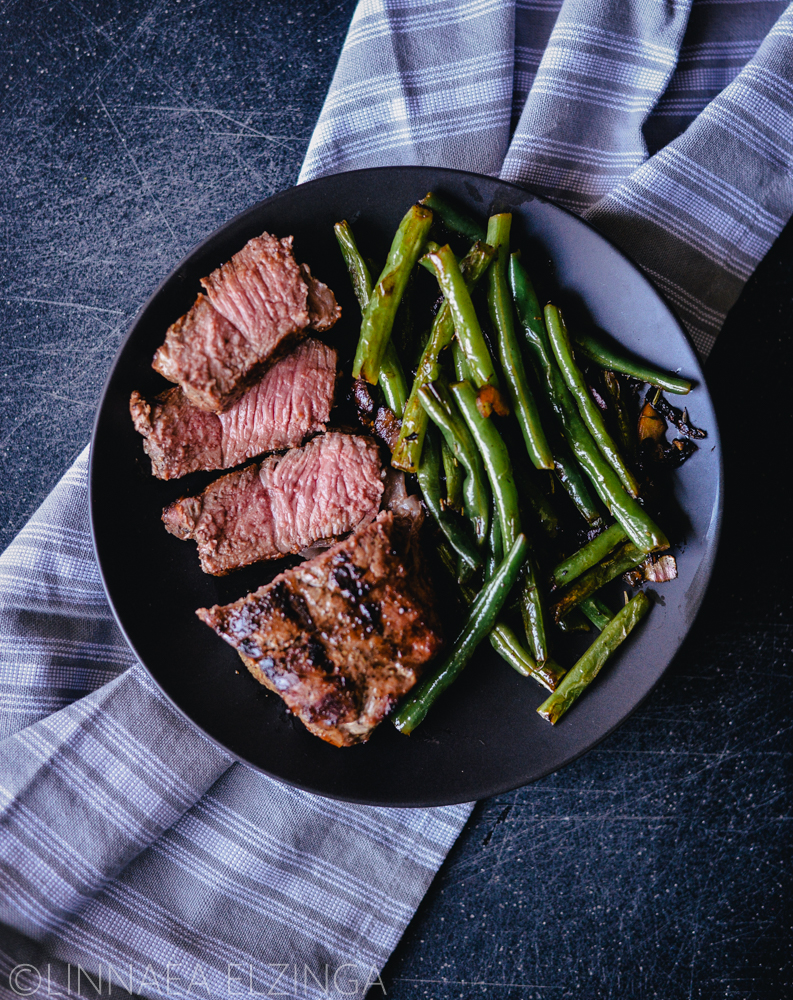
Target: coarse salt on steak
[282,505]
[292,400]
[342,637]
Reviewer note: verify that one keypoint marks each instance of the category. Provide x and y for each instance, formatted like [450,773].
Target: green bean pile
[475,424]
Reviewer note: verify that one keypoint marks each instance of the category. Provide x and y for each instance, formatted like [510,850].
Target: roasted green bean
[476,493]
[453,217]
[482,618]
[639,526]
[588,667]
[452,525]
[587,407]
[500,306]
[618,562]
[496,460]
[597,612]
[378,319]
[466,322]
[391,377]
[588,556]
[614,361]
[414,421]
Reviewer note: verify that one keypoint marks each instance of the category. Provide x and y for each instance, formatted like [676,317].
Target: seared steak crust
[291,401]
[323,309]
[282,505]
[342,637]
[257,305]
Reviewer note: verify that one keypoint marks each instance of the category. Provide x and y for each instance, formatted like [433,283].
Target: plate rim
[708,561]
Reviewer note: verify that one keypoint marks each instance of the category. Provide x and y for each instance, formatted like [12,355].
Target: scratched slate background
[658,865]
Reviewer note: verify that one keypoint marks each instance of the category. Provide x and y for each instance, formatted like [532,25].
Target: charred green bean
[588,556]
[618,562]
[577,679]
[378,319]
[391,376]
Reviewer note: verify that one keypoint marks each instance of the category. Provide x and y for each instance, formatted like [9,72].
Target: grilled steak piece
[256,306]
[282,505]
[342,637]
[291,401]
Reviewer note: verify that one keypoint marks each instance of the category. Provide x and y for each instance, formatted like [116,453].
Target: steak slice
[342,637]
[291,401]
[262,291]
[282,505]
[256,306]
[208,356]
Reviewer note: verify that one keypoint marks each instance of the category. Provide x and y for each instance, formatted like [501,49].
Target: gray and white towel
[130,846]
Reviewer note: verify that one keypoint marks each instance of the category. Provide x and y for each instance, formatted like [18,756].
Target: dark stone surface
[656,866]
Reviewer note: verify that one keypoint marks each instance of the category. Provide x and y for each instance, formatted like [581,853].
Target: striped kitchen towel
[134,854]
[571,99]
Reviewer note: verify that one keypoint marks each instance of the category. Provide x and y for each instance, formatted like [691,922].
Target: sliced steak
[208,356]
[342,637]
[262,292]
[323,309]
[291,401]
[282,505]
[256,306]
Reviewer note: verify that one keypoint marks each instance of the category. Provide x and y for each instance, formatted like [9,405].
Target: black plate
[484,737]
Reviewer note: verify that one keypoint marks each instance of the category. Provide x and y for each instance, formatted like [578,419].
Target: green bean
[533,609]
[391,376]
[476,492]
[588,667]
[594,349]
[453,217]
[573,621]
[587,407]
[500,306]
[466,323]
[495,542]
[503,638]
[482,618]
[618,562]
[461,367]
[454,475]
[638,525]
[496,459]
[510,648]
[588,556]
[532,497]
[597,612]
[378,319]
[414,422]
[574,483]
[392,381]
[453,527]
[624,418]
